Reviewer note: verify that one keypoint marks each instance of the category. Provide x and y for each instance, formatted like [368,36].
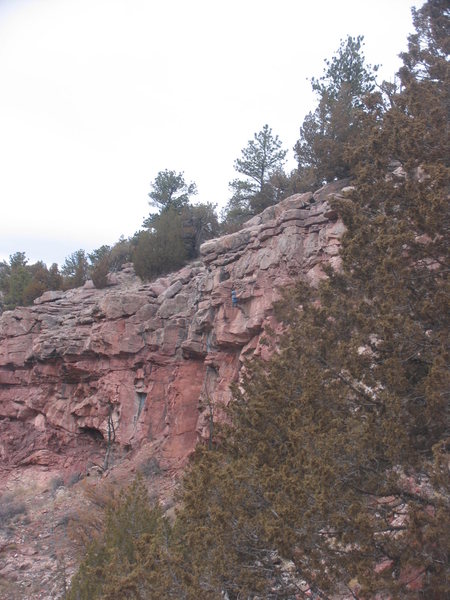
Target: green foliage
[120,253]
[120,563]
[99,254]
[100,265]
[161,250]
[173,235]
[170,191]
[261,159]
[334,456]
[21,283]
[428,47]
[335,124]
[107,259]
[346,69]
[15,277]
[42,279]
[75,270]
[99,273]
[237,209]
[200,223]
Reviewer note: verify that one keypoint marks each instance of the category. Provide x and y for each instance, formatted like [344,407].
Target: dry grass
[10,508]
[85,521]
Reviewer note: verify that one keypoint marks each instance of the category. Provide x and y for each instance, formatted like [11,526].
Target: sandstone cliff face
[144,361]
[146,364]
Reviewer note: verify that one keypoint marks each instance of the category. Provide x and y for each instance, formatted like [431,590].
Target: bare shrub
[149,467]
[73,479]
[85,523]
[56,483]
[9,509]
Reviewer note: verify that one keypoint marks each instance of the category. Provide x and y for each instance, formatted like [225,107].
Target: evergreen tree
[261,159]
[99,254]
[334,125]
[14,279]
[200,223]
[335,458]
[162,249]
[75,270]
[21,283]
[170,191]
[123,562]
[42,279]
[175,233]
[107,259]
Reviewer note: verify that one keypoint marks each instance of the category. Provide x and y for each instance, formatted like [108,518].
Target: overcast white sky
[97,96]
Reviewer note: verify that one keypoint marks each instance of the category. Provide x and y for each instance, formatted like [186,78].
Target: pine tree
[261,159]
[21,283]
[75,269]
[170,191]
[162,249]
[14,279]
[335,123]
[125,561]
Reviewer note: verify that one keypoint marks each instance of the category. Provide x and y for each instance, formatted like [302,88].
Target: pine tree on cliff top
[336,123]
[261,160]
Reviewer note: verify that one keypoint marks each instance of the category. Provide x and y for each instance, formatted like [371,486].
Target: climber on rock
[234,300]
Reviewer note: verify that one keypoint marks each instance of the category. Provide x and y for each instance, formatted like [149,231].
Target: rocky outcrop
[141,363]
[129,376]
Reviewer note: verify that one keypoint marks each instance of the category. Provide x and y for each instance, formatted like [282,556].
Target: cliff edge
[130,375]
[138,361]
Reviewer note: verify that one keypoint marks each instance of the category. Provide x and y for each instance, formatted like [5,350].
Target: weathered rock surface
[143,362]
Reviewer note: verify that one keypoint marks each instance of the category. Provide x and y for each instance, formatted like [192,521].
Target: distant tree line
[21,283]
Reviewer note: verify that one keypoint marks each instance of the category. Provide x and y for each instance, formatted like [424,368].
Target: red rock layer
[144,362]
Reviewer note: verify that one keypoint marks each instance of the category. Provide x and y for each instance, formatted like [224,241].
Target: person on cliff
[234,300]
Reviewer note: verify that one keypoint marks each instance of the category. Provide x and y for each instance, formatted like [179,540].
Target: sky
[98,96]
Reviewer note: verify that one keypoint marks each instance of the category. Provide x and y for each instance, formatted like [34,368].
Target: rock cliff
[144,365]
